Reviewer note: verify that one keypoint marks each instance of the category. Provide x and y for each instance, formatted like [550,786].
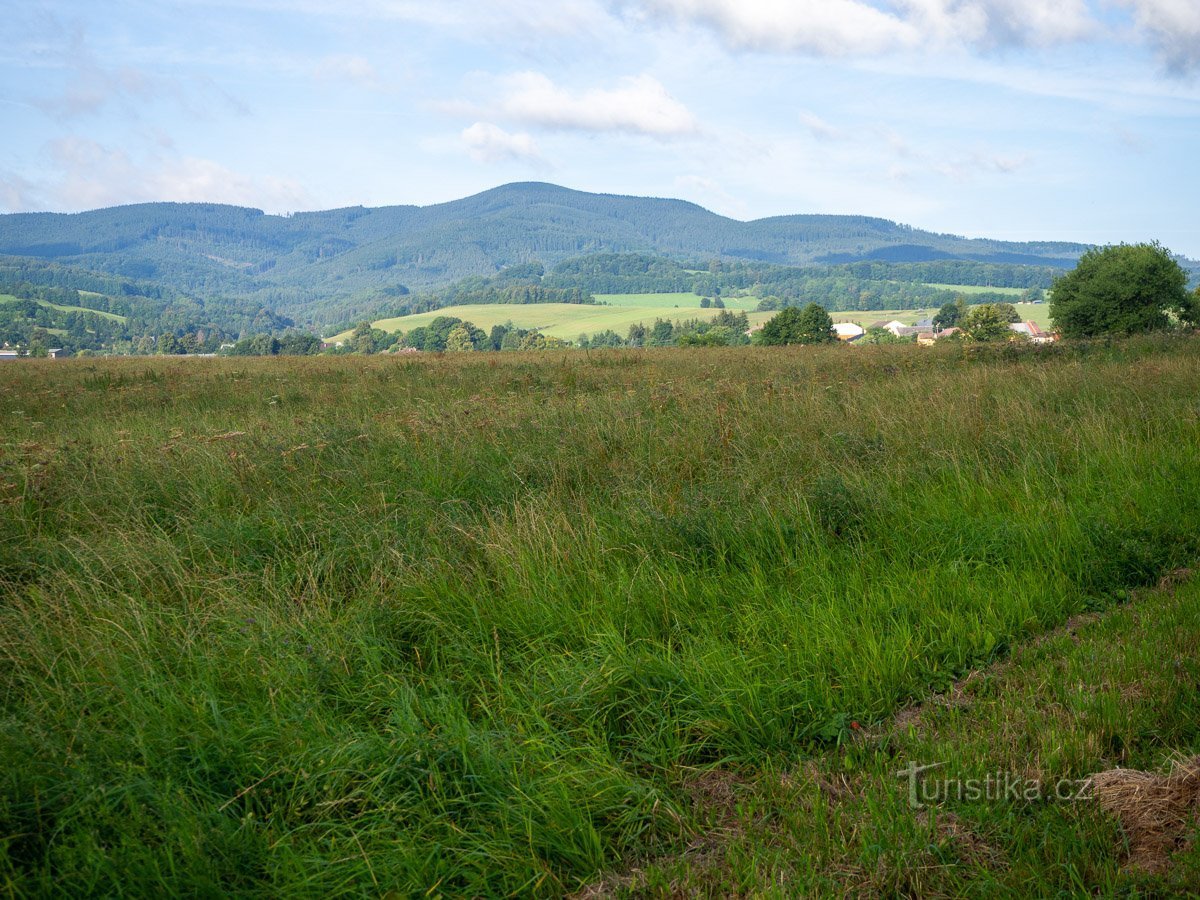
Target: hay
[1156,811]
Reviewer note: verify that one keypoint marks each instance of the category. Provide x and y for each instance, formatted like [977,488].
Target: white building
[848,331]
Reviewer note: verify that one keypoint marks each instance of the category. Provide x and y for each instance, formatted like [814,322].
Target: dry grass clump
[1156,811]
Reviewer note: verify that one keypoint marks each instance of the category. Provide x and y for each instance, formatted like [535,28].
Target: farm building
[848,331]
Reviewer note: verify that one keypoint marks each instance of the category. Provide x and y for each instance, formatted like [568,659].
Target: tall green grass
[463,625]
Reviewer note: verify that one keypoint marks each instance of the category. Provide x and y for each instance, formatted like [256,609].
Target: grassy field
[670,301]
[525,624]
[969,289]
[9,298]
[560,320]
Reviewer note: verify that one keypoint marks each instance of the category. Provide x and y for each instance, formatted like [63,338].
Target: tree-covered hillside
[336,265]
[48,303]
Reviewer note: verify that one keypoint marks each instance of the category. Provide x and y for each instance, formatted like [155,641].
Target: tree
[1007,311]
[533,340]
[438,331]
[459,339]
[811,325]
[883,336]
[362,341]
[987,322]
[298,343]
[951,314]
[1122,289]
[662,334]
[416,338]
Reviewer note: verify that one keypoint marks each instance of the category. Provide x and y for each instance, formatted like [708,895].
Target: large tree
[951,314]
[459,339]
[811,325]
[988,322]
[1122,289]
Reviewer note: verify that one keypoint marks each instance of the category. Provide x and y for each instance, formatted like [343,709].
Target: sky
[1016,119]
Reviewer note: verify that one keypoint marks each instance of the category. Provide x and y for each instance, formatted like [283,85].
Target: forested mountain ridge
[329,265]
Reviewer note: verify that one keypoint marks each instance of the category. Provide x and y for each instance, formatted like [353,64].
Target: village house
[1032,331]
[848,331]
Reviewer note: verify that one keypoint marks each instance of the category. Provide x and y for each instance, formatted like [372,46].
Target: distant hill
[328,266]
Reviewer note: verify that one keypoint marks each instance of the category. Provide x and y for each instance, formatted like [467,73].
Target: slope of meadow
[476,625]
[560,320]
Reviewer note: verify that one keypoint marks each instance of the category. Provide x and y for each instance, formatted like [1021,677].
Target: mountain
[324,266]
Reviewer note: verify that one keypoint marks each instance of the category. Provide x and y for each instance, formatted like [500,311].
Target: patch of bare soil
[1157,812]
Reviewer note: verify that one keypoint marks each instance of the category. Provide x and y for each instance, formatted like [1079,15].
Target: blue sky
[1019,119]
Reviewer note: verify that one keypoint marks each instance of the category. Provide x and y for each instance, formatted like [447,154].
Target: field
[618,622]
[670,301]
[969,289]
[560,320]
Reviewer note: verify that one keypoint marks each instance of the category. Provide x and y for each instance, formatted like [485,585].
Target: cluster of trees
[988,322]
[726,329]
[1125,289]
[452,334]
[292,343]
[449,334]
[794,325]
[980,322]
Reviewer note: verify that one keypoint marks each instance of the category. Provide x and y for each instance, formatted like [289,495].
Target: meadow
[9,298]
[670,301]
[970,289]
[564,320]
[608,622]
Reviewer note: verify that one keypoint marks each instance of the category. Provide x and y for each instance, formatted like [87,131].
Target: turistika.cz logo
[994,787]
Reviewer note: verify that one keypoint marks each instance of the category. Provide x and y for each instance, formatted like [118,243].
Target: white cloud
[91,175]
[638,105]
[357,69]
[1173,27]
[819,128]
[489,143]
[990,23]
[966,168]
[821,27]
[858,28]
